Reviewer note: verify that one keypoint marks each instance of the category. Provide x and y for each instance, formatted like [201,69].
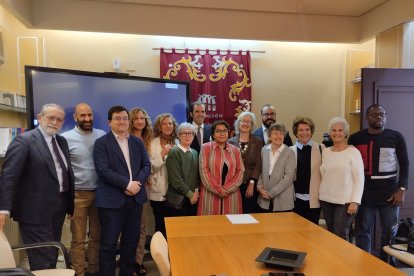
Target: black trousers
[187,210]
[302,209]
[124,221]
[160,212]
[44,258]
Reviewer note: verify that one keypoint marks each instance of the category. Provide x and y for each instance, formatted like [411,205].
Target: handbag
[174,201]
[403,232]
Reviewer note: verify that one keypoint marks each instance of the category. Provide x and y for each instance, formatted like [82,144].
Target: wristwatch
[251,181]
[403,188]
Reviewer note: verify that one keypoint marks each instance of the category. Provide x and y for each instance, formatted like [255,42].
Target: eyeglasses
[188,134]
[269,114]
[246,122]
[117,118]
[221,131]
[53,119]
[378,114]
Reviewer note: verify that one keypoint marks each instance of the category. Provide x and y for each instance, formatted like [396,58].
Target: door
[394,90]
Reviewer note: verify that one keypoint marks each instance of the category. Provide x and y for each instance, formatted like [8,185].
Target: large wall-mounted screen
[101,91]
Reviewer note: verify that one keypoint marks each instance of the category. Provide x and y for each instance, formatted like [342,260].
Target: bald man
[81,140]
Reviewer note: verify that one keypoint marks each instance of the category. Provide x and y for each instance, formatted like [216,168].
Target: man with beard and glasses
[37,185]
[268,114]
[384,153]
[81,140]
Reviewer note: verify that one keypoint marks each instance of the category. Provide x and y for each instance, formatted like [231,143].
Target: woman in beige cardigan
[308,176]
[275,185]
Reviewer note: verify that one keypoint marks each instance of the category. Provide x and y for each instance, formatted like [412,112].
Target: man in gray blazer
[37,185]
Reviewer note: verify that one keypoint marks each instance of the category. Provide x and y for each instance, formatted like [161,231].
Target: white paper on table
[241,219]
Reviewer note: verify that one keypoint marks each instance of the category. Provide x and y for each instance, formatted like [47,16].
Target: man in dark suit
[37,185]
[198,115]
[268,114]
[123,166]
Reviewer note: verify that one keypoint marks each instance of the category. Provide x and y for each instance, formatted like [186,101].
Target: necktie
[65,177]
[199,135]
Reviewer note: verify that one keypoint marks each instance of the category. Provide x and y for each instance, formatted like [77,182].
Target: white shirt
[59,170]
[183,148]
[201,131]
[274,157]
[342,176]
[123,143]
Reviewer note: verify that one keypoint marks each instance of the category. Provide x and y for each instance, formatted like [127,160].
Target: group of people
[104,180]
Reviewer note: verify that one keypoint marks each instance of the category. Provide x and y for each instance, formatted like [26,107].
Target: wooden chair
[159,253]
[8,264]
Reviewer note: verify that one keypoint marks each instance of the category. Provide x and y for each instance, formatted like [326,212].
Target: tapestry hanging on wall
[220,80]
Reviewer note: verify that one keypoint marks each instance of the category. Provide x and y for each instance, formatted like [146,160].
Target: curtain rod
[214,50]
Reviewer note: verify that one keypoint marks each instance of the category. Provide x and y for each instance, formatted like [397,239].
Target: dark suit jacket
[29,185]
[206,138]
[252,159]
[259,133]
[112,170]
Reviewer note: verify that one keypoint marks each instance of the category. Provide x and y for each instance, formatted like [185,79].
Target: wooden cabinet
[355,60]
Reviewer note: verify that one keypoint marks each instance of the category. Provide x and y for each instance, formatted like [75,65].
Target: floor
[149,264]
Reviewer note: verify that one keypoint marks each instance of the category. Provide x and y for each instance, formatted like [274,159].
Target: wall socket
[116,64]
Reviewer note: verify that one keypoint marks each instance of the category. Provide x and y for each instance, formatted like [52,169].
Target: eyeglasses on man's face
[53,119]
[272,114]
[118,118]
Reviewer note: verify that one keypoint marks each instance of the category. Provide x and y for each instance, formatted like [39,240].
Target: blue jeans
[337,218]
[364,225]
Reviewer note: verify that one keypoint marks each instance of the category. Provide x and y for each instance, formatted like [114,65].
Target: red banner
[221,80]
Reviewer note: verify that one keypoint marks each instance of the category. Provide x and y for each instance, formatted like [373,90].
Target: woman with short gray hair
[275,185]
[182,168]
[342,183]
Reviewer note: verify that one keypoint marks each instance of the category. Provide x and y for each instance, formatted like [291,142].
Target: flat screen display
[102,91]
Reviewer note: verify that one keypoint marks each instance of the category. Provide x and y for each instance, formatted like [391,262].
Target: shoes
[140,269]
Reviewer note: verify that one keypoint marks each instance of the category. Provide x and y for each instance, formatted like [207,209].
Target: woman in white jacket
[342,183]
[165,134]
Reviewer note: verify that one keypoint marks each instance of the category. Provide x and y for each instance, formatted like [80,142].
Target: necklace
[243,146]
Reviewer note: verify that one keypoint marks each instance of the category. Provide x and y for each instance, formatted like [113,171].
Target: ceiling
[275,20]
[318,7]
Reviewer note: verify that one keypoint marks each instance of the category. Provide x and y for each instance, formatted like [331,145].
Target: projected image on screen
[101,91]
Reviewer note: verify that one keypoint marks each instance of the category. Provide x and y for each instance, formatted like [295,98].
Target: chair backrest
[6,253]
[159,253]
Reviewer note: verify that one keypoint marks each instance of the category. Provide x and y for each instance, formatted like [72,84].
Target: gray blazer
[279,184]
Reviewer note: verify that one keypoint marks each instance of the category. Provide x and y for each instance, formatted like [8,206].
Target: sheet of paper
[241,219]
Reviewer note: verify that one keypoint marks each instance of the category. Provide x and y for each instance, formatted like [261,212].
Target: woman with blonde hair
[250,147]
[165,137]
[140,126]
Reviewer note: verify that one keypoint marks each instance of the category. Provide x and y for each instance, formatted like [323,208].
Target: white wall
[298,78]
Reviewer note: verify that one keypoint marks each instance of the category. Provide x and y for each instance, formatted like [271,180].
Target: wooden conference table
[212,245]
